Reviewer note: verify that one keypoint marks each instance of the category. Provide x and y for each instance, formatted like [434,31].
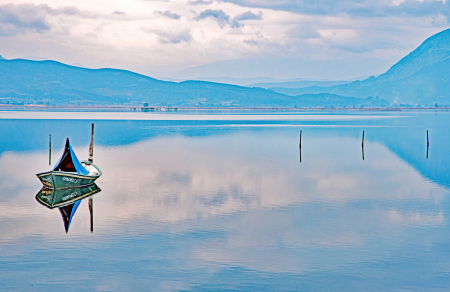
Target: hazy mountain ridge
[297,84]
[54,83]
[421,77]
[431,51]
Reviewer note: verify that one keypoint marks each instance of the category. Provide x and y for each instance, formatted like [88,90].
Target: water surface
[228,202]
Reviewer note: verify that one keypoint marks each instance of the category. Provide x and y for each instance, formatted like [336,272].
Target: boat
[69,172]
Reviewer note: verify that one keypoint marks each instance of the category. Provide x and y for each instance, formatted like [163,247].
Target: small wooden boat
[69,172]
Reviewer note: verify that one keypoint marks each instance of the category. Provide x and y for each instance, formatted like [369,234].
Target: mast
[91,146]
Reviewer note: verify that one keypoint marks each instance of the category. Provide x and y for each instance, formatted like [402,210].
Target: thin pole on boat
[91,146]
[300,145]
[91,210]
[49,149]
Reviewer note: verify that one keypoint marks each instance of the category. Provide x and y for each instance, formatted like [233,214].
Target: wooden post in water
[300,145]
[91,211]
[428,144]
[49,149]
[300,149]
[91,146]
[362,146]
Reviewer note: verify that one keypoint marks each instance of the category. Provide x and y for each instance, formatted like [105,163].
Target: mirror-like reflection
[53,198]
[68,200]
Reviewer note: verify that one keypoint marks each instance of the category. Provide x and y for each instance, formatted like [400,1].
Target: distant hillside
[422,77]
[432,51]
[332,100]
[53,83]
[295,84]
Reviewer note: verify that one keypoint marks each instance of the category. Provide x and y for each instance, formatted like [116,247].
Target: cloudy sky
[320,39]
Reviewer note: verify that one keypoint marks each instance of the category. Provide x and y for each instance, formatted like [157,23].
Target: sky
[284,39]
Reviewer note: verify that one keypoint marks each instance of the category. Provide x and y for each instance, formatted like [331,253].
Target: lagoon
[196,201]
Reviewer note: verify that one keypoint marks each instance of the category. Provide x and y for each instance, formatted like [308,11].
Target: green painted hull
[53,198]
[66,180]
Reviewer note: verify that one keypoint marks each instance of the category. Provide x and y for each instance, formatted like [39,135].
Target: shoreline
[175,109]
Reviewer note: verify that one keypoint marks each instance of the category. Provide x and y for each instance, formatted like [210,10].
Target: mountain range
[54,83]
[422,77]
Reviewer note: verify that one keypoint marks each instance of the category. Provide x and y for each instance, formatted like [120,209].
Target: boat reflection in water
[68,200]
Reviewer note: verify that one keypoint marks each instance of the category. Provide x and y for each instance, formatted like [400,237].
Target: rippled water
[227,202]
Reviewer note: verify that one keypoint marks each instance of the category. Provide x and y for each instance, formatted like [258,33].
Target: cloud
[221,17]
[249,15]
[366,8]
[21,18]
[170,36]
[168,14]
[199,2]
[118,13]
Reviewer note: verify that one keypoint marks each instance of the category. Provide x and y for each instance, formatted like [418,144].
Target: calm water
[222,202]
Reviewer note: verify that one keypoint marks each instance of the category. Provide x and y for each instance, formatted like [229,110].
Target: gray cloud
[168,14]
[251,42]
[118,13]
[21,18]
[360,8]
[249,15]
[169,36]
[221,17]
[199,2]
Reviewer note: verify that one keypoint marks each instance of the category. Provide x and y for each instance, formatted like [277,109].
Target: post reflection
[68,200]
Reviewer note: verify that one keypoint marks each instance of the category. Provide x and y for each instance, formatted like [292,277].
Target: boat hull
[66,180]
[53,198]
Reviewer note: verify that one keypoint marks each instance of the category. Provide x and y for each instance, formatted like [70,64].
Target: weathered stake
[49,149]
[91,146]
[362,145]
[300,145]
[91,210]
[428,144]
[300,149]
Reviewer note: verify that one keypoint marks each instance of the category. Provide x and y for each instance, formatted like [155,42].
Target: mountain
[54,83]
[287,68]
[296,84]
[432,51]
[422,77]
[332,100]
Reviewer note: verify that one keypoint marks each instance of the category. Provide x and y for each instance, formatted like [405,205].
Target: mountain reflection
[68,200]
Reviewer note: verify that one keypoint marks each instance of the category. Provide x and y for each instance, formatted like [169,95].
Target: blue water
[225,201]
